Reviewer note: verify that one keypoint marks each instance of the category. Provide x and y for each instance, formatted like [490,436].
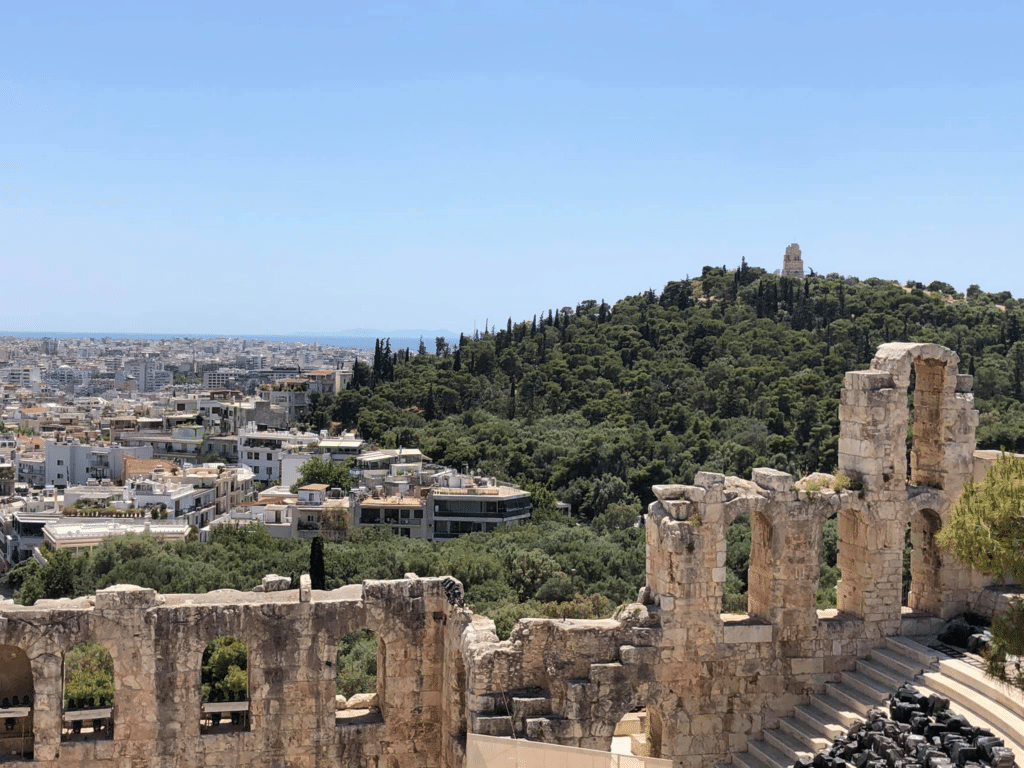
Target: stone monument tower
[792,262]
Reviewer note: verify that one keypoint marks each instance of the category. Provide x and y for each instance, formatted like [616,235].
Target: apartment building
[440,506]
[74,463]
[261,451]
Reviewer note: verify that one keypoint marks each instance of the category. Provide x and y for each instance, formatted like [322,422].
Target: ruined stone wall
[708,681]
[157,644]
[719,680]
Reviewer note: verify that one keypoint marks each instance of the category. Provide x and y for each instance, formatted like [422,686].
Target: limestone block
[812,666]
[747,633]
[709,479]
[340,703]
[274,583]
[630,654]
[862,381]
[676,492]
[305,588]
[773,479]
[363,701]
[126,597]
[678,509]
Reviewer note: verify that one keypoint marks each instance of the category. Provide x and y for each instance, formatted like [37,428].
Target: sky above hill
[267,167]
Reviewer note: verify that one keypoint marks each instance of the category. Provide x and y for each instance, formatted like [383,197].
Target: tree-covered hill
[732,370]
[594,405]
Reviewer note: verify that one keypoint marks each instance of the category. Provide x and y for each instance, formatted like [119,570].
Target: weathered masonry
[708,681]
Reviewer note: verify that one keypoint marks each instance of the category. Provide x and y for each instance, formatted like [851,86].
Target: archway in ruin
[630,737]
[224,687]
[17,699]
[359,679]
[88,693]
[922,591]
[924,433]
[829,572]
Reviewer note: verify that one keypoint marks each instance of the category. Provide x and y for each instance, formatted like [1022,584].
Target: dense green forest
[732,370]
[547,569]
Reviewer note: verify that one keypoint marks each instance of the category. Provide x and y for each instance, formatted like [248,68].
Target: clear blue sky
[269,167]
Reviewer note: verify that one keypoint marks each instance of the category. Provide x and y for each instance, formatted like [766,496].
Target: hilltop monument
[792,262]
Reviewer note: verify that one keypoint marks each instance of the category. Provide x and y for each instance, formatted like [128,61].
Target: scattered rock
[363,701]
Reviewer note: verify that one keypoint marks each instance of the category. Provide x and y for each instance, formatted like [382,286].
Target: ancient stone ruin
[792,262]
[709,681]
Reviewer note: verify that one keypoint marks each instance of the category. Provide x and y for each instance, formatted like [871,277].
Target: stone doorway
[922,564]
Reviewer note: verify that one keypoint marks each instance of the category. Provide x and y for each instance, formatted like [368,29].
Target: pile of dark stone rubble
[917,731]
[969,631]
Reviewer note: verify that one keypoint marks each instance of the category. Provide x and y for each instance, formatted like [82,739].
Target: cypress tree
[317,570]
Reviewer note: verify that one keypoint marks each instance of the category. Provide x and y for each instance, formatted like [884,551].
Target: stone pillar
[686,573]
[119,624]
[785,554]
[871,559]
[686,556]
[48,703]
[873,419]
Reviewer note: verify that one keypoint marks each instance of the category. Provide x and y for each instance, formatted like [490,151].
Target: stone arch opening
[760,570]
[17,700]
[359,678]
[224,686]
[851,550]
[922,563]
[88,693]
[924,433]
[737,561]
[630,735]
[829,572]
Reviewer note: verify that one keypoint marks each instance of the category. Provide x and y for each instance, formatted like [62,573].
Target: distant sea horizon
[360,339]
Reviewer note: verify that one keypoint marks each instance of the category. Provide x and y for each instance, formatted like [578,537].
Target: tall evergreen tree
[317,570]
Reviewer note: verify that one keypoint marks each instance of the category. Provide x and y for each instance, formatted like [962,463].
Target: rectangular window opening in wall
[88,694]
[224,687]
[17,737]
[360,660]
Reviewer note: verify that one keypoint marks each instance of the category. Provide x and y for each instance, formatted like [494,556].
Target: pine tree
[984,532]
